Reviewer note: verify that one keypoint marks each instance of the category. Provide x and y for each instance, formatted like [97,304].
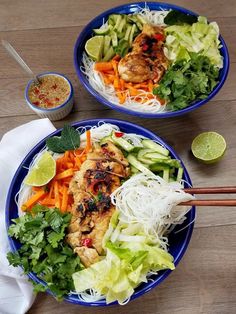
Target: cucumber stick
[180,174]
[155,147]
[117,29]
[107,44]
[122,143]
[137,164]
[109,54]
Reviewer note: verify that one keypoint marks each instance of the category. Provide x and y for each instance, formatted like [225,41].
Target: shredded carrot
[103,66]
[106,79]
[57,196]
[33,199]
[150,86]
[47,201]
[88,141]
[64,199]
[77,161]
[65,174]
[110,75]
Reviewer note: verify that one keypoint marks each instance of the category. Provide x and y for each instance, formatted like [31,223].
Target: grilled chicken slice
[87,255]
[134,68]
[146,61]
[102,221]
[91,212]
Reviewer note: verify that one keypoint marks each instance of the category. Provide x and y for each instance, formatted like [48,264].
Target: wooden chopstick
[211,190]
[220,202]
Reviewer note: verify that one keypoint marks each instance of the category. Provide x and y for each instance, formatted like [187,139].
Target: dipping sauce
[52,92]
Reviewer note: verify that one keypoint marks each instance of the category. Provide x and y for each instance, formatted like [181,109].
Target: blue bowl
[129,9]
[178,241]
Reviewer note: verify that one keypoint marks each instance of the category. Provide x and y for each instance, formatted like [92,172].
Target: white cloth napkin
[16,293]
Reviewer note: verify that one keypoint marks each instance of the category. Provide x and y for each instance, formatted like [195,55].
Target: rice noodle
[152,202]
[153,17]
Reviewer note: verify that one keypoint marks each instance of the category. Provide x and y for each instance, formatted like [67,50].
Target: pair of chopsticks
[211,190]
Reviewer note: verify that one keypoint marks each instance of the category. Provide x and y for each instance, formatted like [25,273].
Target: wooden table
[44,32]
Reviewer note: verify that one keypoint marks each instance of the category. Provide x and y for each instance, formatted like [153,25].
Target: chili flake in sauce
[52,92]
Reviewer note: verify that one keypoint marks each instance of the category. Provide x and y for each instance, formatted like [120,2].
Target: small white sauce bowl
[56,113]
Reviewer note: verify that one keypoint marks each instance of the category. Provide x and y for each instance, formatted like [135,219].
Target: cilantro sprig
[69,139]
[187,81]
[44,250]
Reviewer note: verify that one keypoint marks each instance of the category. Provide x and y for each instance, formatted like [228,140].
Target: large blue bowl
[178,241]
[129,9]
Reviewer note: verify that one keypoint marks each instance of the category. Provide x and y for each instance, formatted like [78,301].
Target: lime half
[94,47]
[208,147]
[42,171]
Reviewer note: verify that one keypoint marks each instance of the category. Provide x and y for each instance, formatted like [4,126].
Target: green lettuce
[200,37]
[125,265]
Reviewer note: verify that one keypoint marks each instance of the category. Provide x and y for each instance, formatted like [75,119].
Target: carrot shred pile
[110,75]
[56,192]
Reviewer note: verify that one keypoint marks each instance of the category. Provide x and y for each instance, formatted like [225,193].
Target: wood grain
[44,33]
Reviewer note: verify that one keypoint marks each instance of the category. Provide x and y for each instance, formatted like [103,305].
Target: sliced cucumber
[154,155]
[138,165]
[105,139]
[134,170]
[121,25]
[112,19]
[159,167]
[109,54]
[107,44]
[118,21]
[180,174]
[143,152]
[166,174]
[102,31]
[122,143]
[114,39]
[155,147]
[131,35]
[167,162]
[146,160]
[127,33]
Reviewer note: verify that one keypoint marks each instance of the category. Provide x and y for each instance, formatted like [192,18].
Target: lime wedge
[94,47]
[42,172]
[208,147]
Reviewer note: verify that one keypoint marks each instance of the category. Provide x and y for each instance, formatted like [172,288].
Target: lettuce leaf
[200,37]
[125,265]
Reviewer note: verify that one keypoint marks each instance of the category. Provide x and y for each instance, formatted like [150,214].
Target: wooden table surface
[44,32]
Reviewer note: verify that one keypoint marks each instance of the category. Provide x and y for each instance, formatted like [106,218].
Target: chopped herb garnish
[187,81]
[44,250]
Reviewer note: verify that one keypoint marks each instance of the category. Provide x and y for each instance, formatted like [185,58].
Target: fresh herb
[187,81]
[69,139]
[175,17]
[44,250]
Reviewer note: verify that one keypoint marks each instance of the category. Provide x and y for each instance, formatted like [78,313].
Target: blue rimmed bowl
[87,32]
[178,242]
[55,113]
